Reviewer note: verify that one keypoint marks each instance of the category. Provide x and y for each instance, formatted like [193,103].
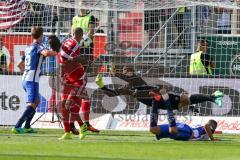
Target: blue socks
[30,117]
[171,118]
[170,114]
[154,114]
[26,116]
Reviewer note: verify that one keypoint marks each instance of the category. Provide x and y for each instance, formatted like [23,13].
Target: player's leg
[154,119]
[161,131]
[107,91]
[86,112]
[27,127]
[85,105]
[169,101]
[79,96]
[65,119]
[184,132]
[65,111]
[75,117]
[158,102]
[32,97]
[154,116]
[216,97]
[74,108]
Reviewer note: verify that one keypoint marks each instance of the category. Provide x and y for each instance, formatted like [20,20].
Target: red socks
[75,115]
[85,109]
[65,114]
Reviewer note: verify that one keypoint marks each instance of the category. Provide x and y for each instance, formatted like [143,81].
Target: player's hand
[112,69]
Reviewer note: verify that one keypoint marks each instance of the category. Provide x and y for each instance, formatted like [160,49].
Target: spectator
[86,21]
[204,13]
[98,27]
[223,21]
[152,25]
[3,59]
[180,26]
[49,18]
[201,62]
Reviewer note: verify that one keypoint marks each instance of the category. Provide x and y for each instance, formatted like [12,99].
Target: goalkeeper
[154,96]
[144,93]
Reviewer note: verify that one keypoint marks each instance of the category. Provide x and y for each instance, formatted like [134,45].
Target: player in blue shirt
[33,58]
[185,132]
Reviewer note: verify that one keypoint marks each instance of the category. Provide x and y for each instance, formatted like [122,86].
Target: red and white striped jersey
[72,70]
[69,49]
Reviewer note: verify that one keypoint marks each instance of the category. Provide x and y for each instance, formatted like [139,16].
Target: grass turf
[113,145]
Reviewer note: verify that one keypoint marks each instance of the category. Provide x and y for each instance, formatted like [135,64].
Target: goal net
[156,38]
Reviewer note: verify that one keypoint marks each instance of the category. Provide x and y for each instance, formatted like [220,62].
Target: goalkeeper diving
[158,98]
[145,93]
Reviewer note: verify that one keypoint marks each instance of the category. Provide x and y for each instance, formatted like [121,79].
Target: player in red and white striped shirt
[74,83]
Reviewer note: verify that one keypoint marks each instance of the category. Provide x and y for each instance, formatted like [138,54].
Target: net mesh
[157,38]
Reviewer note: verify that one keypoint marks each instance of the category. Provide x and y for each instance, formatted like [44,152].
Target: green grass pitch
[113,145]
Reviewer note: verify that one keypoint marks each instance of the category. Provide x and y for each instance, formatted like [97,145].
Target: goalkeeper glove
[86,41]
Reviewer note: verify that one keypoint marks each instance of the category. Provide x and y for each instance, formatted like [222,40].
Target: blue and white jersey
[33,62]
[199,133]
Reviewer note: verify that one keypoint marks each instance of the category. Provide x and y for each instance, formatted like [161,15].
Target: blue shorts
[32,91]
[184,132]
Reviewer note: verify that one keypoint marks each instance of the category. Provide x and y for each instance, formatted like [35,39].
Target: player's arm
[91,27]
[209,132]
[3,64]
[47,53]
[115,73]
[82,59]
[211,63]
[21,66]
[209,60]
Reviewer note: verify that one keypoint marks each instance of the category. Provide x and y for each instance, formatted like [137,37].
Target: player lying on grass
[178,131]
[185,132]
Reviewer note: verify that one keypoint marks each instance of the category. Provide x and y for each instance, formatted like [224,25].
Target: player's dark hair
[128,68]
[36,32]
[203,41]
[54,43]
[212,124]
[78,31]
